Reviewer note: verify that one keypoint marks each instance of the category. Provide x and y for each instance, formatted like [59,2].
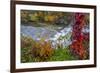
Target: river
[50,33]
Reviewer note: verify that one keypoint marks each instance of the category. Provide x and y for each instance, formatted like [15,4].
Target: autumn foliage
[78,37]
[42,50]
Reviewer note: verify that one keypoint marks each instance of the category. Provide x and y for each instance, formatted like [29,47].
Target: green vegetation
[47,17]
[42,51]
[58,55]
[62,55]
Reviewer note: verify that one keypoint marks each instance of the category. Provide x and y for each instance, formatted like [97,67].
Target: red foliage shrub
[78,37]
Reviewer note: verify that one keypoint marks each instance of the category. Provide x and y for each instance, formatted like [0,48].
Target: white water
[62,37]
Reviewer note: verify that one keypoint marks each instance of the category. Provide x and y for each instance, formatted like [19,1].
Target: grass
[58,55]
[62,55]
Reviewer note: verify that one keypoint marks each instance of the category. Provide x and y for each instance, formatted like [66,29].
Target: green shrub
[62,54]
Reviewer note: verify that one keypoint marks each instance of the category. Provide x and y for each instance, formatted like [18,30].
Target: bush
[26,42]
[42,50]
[62,54]
[26,45]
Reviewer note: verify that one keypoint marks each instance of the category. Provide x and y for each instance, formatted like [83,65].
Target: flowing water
[57,34]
